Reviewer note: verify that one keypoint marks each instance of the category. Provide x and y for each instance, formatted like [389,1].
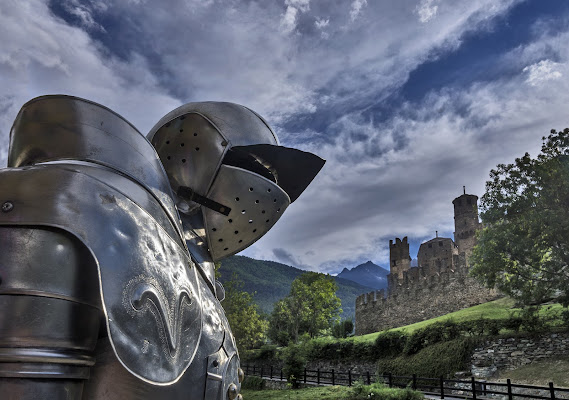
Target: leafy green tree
[242,313]
[343,329]
[523,249]
[310,307]
[280,323]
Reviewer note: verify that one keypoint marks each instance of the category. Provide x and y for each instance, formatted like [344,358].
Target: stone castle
[437,286]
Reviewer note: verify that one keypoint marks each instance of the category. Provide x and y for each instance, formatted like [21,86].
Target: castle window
[393,262]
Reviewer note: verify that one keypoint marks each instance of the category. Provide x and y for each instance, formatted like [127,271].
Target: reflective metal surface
[256,204]
[239,124]
[62,127]
[217,152]
[191,149]
[90,237]
[148,283]
[50,312]
[207,378]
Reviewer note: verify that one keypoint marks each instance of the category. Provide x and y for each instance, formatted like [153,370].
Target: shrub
[531,322]
[565,317]
[512,323]
[389,344]
[253,383]
[267,352]
[294,364]
[443,358]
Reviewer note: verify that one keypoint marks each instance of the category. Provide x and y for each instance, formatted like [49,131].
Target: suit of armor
[107,245]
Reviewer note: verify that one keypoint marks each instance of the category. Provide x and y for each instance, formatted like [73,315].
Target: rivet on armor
[7,206]
[224,143]
[240,375]
[232,392]
[215,363]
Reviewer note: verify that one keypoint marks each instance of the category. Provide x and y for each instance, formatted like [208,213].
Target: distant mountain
[368,274]
[272,280]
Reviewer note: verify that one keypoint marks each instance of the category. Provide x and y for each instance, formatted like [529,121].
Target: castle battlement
[415,281]
[438,286]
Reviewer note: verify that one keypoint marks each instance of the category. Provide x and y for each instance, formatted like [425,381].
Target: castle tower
[399,257]
[465,222]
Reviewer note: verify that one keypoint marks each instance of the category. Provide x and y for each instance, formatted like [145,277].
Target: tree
[310,307]
[247,325]
[343,329]
[523,249]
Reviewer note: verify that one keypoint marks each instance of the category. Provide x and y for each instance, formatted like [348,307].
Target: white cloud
[373,189]
[545,70]
[293,9]
[301,5]
[42,55]
[387,178]
[288,21]
[356,8]
[321,23]
[427,10]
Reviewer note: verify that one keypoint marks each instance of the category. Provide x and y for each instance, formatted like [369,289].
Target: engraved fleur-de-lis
[169,319]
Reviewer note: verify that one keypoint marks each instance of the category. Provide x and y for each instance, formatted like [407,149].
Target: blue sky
[407,100]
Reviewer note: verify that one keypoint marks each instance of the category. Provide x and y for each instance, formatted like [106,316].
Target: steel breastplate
[149,285]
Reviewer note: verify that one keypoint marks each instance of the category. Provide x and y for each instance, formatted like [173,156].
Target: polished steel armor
[106,291]
[227,155]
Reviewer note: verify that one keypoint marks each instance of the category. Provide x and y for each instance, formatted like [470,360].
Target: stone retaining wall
[510,353]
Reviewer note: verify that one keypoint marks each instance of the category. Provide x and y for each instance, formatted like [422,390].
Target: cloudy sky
[408,100]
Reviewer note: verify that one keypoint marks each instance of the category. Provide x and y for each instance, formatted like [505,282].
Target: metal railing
[472,388]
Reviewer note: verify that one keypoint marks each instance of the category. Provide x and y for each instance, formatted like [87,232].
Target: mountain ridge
[272,280]
[367,274]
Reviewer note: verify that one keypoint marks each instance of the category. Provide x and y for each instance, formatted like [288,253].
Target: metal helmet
[224,160]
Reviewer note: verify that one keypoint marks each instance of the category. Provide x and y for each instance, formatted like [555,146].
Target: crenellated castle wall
[421,294]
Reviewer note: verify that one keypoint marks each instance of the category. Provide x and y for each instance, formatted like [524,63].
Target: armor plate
[149,285]
[256,204]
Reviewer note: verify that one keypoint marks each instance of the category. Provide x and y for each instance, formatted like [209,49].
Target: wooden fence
[472,389]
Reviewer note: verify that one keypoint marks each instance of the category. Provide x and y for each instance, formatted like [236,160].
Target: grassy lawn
[497,309]
[334,393]
[324,393]
[541,373]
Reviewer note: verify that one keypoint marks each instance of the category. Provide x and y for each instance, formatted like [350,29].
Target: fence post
[281,374]
[247,369]
[389,380]
[304,375]
[368,378]
[509,389]
[261,373]
[442,384]
[349,377]
[333,382]
[318,376]
[551,390]
[414,386]
[254,368]
[271,375]
[473,388]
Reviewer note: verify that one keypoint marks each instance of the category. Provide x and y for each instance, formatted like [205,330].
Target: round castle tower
[465,222]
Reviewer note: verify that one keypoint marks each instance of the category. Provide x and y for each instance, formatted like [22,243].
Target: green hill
[271,281]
